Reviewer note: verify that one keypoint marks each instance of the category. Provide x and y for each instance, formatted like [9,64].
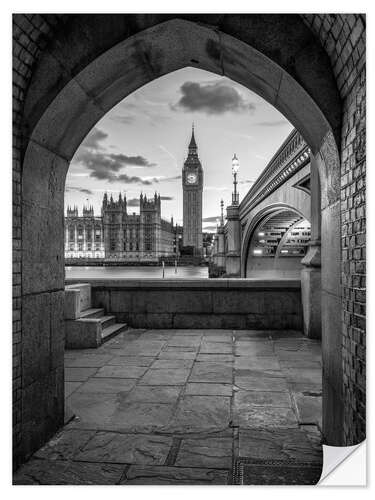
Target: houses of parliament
[119,236]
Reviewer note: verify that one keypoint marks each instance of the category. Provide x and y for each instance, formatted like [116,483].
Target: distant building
[119,236]
[83,234]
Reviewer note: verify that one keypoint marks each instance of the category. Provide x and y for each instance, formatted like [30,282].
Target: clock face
[191,178]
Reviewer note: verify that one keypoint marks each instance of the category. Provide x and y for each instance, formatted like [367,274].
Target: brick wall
[343,38]
[353,210]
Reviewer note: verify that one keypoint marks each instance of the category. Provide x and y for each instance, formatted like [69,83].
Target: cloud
[172,178]
[151,112]
[211,98]
[106,166]
[246,181]
[124,119]
[79,190]
[134,179]
[78,174]
[133,202]
[166,198]
[211,219]
[134,161]
[272,123]
[210,228]
[94,138]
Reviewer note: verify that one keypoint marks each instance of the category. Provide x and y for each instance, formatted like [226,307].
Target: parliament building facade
[119,236]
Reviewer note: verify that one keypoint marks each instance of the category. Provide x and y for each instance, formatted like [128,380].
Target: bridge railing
[292,155]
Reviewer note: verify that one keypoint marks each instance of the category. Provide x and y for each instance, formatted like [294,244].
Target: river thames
[123,272]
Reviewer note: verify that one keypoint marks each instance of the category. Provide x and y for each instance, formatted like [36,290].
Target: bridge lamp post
[233,229]
[235,169]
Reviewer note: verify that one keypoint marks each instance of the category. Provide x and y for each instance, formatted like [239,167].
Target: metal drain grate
[247,471]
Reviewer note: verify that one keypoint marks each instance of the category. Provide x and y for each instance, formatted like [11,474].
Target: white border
[71,6]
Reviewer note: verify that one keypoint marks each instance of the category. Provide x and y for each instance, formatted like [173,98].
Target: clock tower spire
[193,145]
[192,185]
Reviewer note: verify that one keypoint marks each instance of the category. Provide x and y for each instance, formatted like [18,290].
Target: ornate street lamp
[235,168]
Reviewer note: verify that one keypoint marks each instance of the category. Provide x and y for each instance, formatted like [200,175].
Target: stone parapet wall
[220,303]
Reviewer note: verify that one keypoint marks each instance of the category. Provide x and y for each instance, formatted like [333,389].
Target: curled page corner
[344,465]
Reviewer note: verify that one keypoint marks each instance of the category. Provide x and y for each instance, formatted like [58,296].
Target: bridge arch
[68,93]
[253,222]
[263,217]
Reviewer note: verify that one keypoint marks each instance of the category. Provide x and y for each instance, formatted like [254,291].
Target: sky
[140,145]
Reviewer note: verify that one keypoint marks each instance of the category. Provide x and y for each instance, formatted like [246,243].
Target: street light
[235,168]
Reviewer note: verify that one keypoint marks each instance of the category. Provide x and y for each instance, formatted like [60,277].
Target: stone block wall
[221,303]
[31,33]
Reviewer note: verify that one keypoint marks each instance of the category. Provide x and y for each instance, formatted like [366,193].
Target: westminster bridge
[274,233]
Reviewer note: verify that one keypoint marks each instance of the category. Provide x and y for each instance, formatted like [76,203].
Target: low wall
[219,303]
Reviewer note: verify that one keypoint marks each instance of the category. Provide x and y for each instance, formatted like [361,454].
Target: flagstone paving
[179,406]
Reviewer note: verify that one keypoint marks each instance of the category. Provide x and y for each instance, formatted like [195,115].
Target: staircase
[86,327]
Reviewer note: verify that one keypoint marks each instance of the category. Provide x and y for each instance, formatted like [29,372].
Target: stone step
[111,331]
[92,313]
[107,321]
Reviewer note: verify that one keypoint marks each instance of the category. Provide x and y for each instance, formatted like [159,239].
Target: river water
[119,272]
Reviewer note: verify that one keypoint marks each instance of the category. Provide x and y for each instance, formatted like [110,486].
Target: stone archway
[58,117]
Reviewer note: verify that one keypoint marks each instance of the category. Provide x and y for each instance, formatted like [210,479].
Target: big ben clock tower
[192,184]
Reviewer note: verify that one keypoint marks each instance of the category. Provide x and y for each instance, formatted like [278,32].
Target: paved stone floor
[179,406]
